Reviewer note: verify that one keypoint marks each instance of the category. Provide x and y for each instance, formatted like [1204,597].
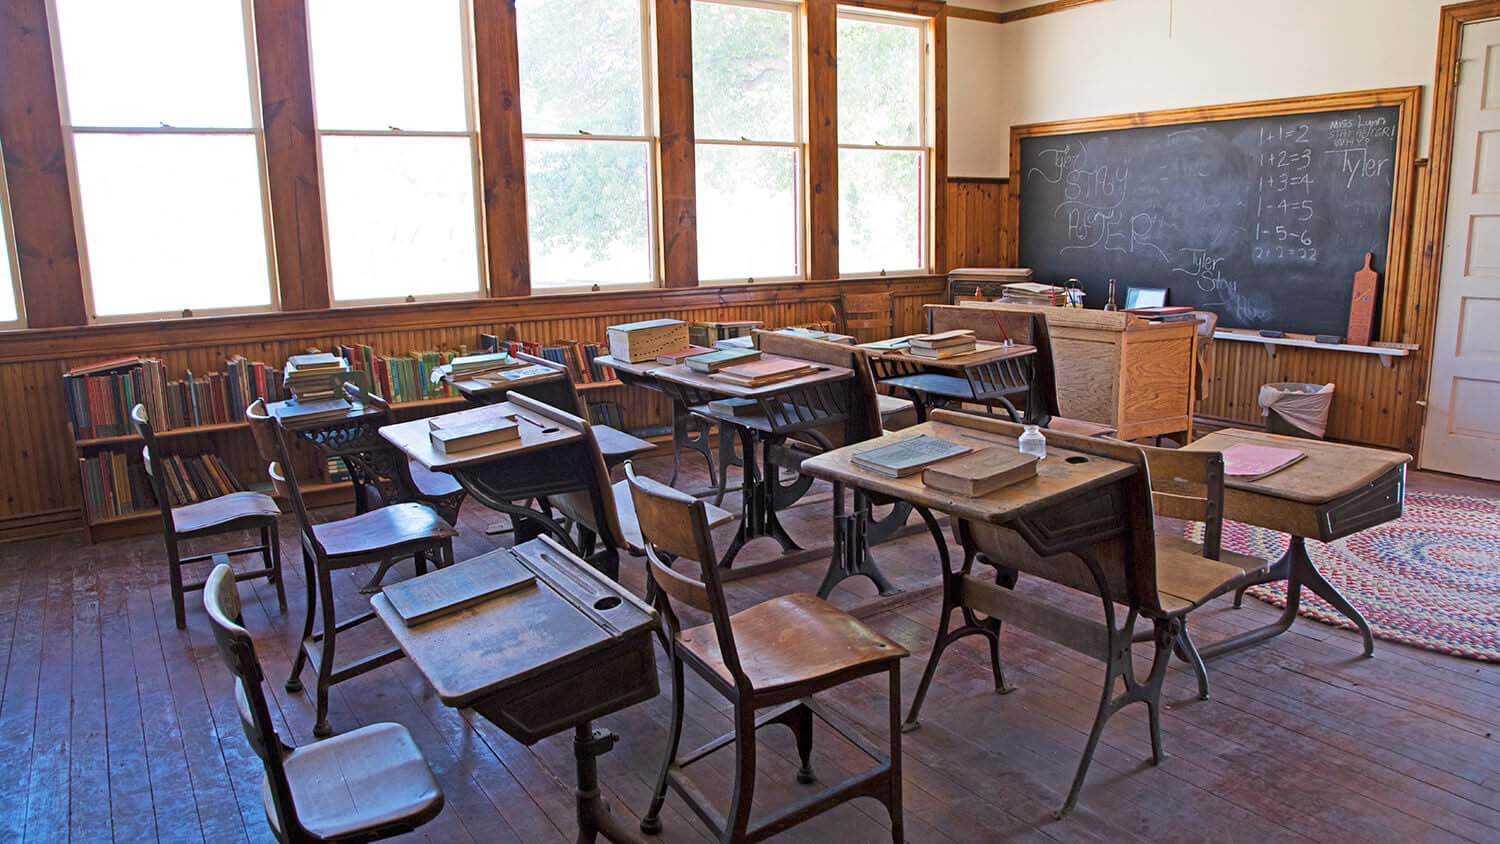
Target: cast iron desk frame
[688,431]
[992,375]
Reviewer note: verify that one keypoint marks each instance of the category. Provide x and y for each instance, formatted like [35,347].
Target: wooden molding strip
[924,8]
[938,182]
[676,161]
[987,16]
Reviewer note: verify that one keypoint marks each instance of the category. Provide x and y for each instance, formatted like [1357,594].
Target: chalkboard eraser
[1273,334]
[1330,339]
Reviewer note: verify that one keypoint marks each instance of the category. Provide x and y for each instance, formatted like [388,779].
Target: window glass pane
[742,73]
[880,210]
[880,83]
[581,66]
[588,219]
[172,222]
[747,212]
[401,216]
[7,276]
[379,64]
[178,62]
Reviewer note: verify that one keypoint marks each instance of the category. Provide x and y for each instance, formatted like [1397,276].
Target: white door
[1462,433]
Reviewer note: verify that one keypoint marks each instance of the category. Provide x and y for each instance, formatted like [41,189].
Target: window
[883,154]
[749,135]
[161,118]
[10,274]
[398,149]
[590,159]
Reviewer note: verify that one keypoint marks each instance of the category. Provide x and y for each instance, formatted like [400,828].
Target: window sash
[798,56]
[799,200]
[924,214]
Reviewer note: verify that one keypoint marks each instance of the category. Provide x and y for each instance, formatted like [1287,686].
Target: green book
[717,360]
[908,456]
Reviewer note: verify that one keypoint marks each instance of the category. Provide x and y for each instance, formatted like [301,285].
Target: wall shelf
[1388,352]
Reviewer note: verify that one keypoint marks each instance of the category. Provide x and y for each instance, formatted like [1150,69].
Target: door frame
[1428,272]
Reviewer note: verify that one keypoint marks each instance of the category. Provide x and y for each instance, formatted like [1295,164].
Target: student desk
[795,406]
[992,374]
[684,433]
[542,659]
[551,456]
[1335,491]
[354,438]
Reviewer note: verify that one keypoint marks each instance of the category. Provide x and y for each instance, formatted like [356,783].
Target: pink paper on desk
[1243,460]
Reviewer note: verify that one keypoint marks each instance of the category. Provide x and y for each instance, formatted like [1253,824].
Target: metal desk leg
[594,816]
[757,504]
[851,546]
[687,433]
[1298,570]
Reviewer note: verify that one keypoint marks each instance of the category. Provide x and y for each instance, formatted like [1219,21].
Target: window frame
[651,125]
[256,131]
[12,256]
[927,148]
[470,132]
[798,144]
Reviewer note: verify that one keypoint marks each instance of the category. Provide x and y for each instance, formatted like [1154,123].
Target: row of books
[115,484]
[580,358]
[400,378]
[100,396]
[193,479]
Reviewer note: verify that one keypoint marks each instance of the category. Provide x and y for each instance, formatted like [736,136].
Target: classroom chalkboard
[1263,220]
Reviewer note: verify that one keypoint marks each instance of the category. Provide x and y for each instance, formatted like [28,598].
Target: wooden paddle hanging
[1362,304]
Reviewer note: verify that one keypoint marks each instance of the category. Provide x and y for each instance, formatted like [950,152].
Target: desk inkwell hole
[608,602]
[1077,458]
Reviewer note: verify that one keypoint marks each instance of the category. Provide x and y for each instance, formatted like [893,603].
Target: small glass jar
[1032,442]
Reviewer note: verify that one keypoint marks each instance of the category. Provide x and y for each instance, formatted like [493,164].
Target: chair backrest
[1189,485]
[152,461]
[674,527]
[996,324]
[579,501]
[867,316]
[1127,560]
[270,444]
[221,599]
[864,415]
[262,430]
[561,393]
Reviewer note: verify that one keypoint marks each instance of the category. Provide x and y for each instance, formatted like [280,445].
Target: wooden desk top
[1055,475]
[640,370]
[1329,471]
[507,640]
[985,351]
[680,374]
[412,437]
[480,386]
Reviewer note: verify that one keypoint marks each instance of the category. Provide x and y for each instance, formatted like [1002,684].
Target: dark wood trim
[502,152]
[36,169]
[292,175]
[172,334]
[938,182]
[822,138]
[925,8]
[987,16]
[978,180]
[676,162]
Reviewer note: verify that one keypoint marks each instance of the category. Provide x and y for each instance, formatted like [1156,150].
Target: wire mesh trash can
[1298,410]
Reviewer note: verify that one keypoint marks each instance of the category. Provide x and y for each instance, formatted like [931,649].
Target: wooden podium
[1120,370]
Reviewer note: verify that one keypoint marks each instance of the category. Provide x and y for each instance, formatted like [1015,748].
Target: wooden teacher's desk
[543,659]
[1335,491]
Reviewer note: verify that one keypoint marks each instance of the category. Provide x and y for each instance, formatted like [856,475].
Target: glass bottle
[1109,305]
[1032,442]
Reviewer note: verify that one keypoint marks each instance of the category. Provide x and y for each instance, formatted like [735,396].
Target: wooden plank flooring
[114,725]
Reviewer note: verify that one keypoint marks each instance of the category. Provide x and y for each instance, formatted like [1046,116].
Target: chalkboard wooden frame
[1407,99]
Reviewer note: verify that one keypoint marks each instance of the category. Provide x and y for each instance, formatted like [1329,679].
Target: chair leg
[738,819]
[1188,652]
[271,535]
[174,578]
[294,683]
[321,728]
[419,562]
[893,802]
[799,719]
[651,821]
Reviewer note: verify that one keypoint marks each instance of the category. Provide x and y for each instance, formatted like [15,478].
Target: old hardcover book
[457,587]
[762,372]
[316,360]
[735,407]
[907,457]
[471,434]
[680,355]
[636,342]
[944,352]
[716,360]
[981,472]
[956,337]
[312,411]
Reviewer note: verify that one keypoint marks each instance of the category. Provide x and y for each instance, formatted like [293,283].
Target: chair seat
[224,510]
[387,527]
[896,413]
[792,640]
[432,484]
[631,526]
[617,446]
[1186,579]
[352,784]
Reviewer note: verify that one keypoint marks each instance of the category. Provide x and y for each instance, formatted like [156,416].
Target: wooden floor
[115,725]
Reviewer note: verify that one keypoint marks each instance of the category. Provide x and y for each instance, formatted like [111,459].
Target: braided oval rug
[1429,579]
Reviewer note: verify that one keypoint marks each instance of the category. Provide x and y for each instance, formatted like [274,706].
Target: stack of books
[762,372]
[1034,293]
[315,376]
[711,362]
[709,333]
[1165,313]
[310,412]
[948,344]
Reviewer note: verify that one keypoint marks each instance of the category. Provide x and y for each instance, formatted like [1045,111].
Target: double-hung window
[393,95]
[161,117]
[748,123]
[588,121]
[883,143]
[10,275]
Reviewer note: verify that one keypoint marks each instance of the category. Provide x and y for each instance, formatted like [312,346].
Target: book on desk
[714,361]
[759,373]
[450,436]
[457,587]
[980,472]
[908,456]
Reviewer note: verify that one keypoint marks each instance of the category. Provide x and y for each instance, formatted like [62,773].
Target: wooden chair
[226,514]
[364,785]
[1189,485]
[409,529]
[776,654]
[399,478]
[867,316]
[615,445]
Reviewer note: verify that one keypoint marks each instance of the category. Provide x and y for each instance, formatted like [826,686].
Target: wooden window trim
[502,153]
